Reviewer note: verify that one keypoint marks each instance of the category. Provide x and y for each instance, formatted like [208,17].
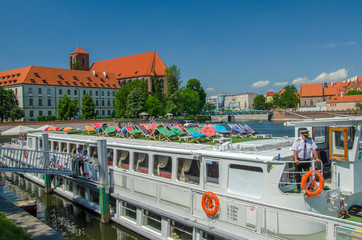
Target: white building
[39,89]
[242,100]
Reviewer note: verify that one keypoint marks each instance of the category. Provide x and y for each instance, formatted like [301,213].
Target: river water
[69,219]
[76,222]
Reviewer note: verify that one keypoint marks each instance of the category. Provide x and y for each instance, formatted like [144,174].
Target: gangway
[34,161]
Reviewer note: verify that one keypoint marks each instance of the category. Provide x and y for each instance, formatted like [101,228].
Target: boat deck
[266,147]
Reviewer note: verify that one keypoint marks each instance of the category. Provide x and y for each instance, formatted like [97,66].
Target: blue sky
[232,46]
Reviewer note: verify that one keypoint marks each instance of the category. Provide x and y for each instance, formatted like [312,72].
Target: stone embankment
[285,115]
[35,228]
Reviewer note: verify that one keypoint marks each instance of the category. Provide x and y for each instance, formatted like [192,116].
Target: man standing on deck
[302,147]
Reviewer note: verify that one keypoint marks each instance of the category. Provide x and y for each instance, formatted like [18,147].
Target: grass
[8,230]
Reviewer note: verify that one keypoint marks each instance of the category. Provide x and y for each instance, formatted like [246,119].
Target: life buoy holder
[210,203]
[308,189]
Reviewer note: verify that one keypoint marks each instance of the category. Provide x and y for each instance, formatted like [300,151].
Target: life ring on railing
[308,189]
[210,203]
[25,153]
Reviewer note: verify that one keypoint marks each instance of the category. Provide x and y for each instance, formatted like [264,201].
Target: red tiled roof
[57,77]
[334,88]
[345,98]
[142,64]
[270,93]
[79,50]
[311,90]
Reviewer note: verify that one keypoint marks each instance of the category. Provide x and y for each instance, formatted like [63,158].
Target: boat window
[180,231]
[212,171]
[208,236]
[69,186]
[339,138]
[40,144]
[110,156]
[319,135]
[73,148]
[94,196]
[81,190]
[188,170]
[140,162]
[59,182]
[63,147]
[246,180]
[123,159]
[56,146]
[152,220]
[30,142]
[129,211]
[162,166]
[93,154]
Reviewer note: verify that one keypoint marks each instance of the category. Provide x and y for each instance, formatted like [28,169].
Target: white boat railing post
[103,181]
[47,177]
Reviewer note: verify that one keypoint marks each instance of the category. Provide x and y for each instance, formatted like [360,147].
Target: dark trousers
[299,168]
[81,166]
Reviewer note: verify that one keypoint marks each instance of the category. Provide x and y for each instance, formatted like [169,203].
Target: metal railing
[288,180]
[32,161]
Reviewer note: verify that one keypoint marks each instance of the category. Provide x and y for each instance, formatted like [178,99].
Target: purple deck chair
[239,131]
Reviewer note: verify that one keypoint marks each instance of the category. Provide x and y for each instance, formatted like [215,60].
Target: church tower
[81,56]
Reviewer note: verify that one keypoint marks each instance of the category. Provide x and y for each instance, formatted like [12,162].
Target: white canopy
[18,130]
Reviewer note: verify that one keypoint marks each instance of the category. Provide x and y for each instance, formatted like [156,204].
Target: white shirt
[80,155]
[304,151]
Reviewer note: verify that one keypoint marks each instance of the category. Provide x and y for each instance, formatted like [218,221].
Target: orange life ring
[305,178]
[210,203]
[25,153]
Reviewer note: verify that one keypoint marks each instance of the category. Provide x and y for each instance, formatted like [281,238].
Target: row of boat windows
[188,170]
[154,222]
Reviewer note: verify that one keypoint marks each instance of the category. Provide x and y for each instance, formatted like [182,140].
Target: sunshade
[18,130]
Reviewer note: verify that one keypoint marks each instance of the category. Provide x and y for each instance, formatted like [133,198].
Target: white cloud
[349,43]
[210,89]
[323,77]
[280,84]
[330,45]
[260,84]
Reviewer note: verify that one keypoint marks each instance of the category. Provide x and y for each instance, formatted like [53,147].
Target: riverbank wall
[285,115]
[34,227]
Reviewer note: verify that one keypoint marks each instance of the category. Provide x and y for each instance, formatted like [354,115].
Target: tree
[208,107]
[354,92]
[153,106]
[173,81]
[289,98]
[16,113]
[157,88]
[88,107]
[190,101]
[67,107]
[195,85]
[135,102]
[359,106]
[259,102]
[122,95]
[77,66]
[8,102]
[276,100]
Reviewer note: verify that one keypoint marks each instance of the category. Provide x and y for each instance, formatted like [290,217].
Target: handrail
[26,160]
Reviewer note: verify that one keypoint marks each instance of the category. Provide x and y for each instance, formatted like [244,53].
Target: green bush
[203,118]
[190,117]
[46,118]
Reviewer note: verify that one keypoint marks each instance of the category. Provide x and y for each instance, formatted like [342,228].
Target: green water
[72,221]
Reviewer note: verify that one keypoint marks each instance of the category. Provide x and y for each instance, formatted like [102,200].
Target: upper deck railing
[32,161]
